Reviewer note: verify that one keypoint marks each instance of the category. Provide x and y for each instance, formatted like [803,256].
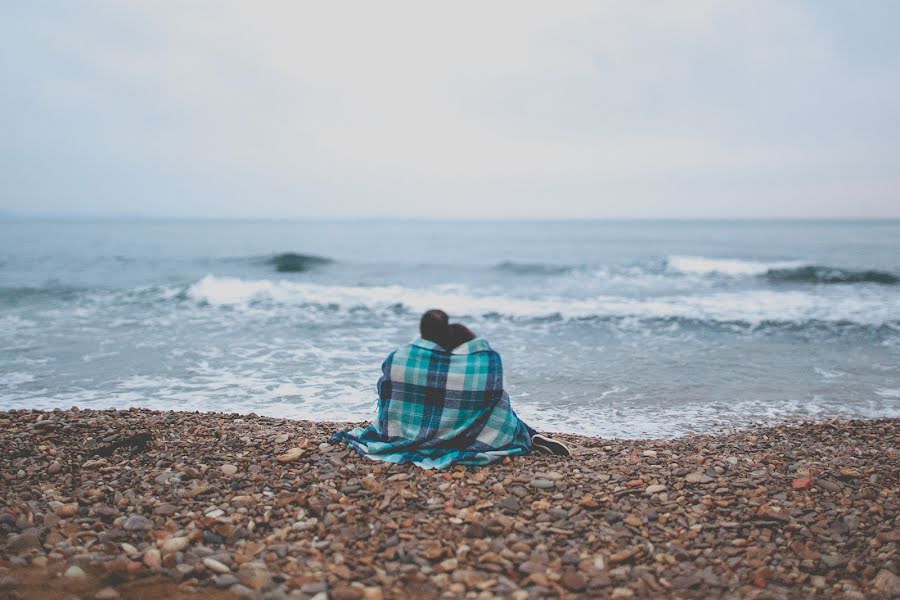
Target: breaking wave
[753,307]
[699,265]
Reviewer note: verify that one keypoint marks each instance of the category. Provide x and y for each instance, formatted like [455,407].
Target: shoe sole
[550,445]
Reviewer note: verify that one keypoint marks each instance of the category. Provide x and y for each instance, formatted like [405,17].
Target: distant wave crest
[776,272]
[526,268]
[292,262]
[816,274]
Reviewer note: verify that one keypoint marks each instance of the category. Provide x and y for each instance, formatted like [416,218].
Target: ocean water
[612,328]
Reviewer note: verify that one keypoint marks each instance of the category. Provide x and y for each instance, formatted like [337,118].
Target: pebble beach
[141,504]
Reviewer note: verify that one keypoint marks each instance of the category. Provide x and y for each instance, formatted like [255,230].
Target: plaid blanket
[439,408]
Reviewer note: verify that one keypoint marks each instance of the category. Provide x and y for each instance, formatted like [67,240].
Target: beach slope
[97,502]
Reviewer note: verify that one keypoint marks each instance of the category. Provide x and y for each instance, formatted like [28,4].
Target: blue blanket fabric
[439,408]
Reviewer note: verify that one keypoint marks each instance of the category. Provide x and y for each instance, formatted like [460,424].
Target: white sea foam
[700,265]
[867,307]
[889,392]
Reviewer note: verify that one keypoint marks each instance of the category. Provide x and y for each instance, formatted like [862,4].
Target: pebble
[173,544]
[229,470]
[542,484]
[137,523]
[254,575]
[216,566]
[620,518]
[74,572]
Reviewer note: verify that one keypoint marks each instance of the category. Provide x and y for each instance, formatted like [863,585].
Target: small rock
[655,489]
[291,455]
[834,560]
[254,575]
[75,572]
[152,558]
[887,583]
[137,523]
[67,510]
[697,478]
[574,581]
[225,580]
[216,566]
[173,544]
[613,516]
[165,509]
[802,483]
[25,541]
[229,470]
[542,484]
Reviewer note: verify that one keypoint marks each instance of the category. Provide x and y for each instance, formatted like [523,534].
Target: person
[441,402]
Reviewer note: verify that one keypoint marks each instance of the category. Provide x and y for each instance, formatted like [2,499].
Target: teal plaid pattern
[439,408]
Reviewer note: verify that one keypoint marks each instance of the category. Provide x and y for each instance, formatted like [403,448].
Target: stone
[225,580]
[216,566]
[67,510]
[542,484]
[165,509]
[887,583]
[24,542]
[613,516]
[697,477]
[152,558]
[229,470]
[173,544]
[75,572]
[137,523]
[802,483]
[254,575]
[655,489]
[574,581]
[292,455]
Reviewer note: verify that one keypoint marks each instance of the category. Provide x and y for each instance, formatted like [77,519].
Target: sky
[462,110]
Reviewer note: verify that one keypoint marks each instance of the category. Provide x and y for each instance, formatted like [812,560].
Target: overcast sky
[456,109]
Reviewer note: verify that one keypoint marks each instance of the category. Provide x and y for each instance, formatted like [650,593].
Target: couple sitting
[441,402]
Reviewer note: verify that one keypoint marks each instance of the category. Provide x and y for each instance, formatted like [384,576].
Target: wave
[520,268]
[292,262]
[699,265]
[27,293]
[749,307]
[783,271]
[817,274]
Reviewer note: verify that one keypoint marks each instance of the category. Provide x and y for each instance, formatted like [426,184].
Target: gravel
[265,508]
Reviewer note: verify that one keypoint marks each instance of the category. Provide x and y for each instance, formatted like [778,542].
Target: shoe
[548,445]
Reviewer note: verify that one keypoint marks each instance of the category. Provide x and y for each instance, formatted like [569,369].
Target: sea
[610,328]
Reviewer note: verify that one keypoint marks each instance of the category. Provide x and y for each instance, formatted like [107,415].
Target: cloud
[460,110]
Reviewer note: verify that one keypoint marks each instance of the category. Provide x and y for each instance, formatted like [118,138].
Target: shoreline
[200,501]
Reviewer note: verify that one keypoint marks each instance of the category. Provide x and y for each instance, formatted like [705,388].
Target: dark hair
[457,335]
[433,326]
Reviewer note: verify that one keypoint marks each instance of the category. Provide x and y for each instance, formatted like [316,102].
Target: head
[457,335]
[433,326]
